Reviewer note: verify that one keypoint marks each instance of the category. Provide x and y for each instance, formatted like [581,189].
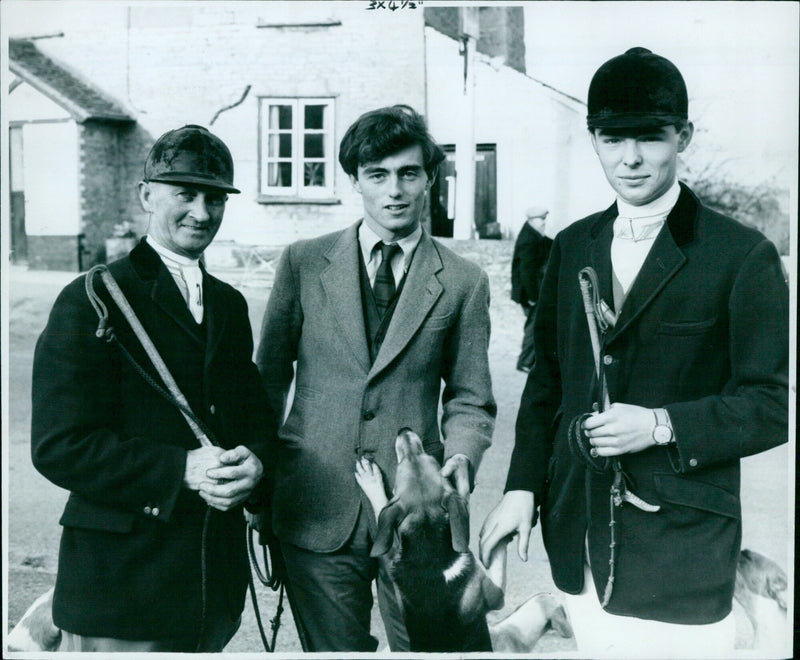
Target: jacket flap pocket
[696,494]
[83,514]
[686,327]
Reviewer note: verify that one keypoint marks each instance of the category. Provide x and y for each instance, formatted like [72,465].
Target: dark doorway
[444,188]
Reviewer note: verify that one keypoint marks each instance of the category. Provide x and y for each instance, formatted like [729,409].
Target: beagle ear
[388,520]
[459,521]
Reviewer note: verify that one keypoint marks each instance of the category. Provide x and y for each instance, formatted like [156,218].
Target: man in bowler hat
[370,322]
[153,554]
[531,250]
[632,463]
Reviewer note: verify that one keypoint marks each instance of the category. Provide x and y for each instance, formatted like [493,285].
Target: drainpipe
[464,222]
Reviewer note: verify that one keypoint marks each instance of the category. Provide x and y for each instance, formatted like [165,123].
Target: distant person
[527,270]
[153,554]
[373,322]
[639,498]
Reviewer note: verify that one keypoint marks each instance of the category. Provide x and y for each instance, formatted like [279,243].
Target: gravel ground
[34,505]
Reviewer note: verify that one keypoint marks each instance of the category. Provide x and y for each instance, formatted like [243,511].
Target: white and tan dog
[36,630]
[761,591]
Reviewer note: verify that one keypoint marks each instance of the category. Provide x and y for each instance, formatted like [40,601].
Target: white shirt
[187,275]
[368,240]
[635,231]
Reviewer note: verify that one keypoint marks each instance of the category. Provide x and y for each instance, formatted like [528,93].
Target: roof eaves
[79,112]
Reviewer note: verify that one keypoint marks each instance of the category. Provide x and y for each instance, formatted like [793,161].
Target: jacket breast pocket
[83,514]
[438,322]
[685,328]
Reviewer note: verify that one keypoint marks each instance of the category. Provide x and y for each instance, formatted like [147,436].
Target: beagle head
[424,503]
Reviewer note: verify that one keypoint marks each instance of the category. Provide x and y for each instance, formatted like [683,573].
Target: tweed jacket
[703,332]
[344,407]
[130,559]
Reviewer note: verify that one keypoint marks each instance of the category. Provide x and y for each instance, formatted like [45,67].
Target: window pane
[314,146]
[286,146]
[280,116]
[280,146]
[280,175]
[314,174]
[315,116]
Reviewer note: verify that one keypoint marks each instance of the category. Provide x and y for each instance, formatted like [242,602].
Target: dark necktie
[384,287]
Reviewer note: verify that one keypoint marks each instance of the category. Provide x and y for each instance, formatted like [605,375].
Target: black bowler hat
[637,89]
[191,155]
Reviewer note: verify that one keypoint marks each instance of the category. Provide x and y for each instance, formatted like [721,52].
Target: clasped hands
[224,478]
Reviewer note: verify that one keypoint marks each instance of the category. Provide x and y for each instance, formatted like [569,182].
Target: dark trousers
[526,356]
[331,594]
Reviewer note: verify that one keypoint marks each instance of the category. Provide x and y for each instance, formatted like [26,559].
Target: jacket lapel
[663,261]
[216,315]
[164,292]
[340,280]
[602,233]
[420,291]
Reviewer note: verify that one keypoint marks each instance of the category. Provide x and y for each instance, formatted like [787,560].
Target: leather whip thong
[172,393]
[600,319]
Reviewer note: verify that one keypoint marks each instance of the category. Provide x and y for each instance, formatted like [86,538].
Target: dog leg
[521,630]
[496,570]
[370,480]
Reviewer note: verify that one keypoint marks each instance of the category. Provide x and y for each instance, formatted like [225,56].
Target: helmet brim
[633,120]
[206,182]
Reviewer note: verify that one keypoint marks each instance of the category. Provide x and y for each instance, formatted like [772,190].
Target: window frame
[298,191]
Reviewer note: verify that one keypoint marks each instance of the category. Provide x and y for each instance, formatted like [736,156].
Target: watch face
[662,435]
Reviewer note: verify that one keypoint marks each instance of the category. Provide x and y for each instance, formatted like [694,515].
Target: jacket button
[212,409]
[693,462]
[156,511]
[369,415]
[595,406]
[607,360]
[147,511]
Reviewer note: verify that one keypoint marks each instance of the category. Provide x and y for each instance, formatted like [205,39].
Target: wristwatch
[662,431]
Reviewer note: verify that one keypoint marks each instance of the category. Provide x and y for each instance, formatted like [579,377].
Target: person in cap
[632,463]
[152,554]
[531,250]
[376,318]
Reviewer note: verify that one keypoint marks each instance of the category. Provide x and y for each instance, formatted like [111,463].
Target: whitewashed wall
[544,156]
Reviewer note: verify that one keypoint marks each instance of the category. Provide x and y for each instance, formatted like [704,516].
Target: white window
[296,148]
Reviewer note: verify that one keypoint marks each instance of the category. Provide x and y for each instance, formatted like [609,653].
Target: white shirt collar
[658,208]
[367,239]
[169,254]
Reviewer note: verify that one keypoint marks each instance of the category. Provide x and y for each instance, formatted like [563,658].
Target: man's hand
[456,469]
[513,515]
[233,480]
[198,461]
[622,429]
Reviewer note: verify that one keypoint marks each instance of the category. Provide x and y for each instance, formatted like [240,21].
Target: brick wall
[99,186]
[53,253]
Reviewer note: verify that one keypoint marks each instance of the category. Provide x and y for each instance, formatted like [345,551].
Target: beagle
[423,535]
